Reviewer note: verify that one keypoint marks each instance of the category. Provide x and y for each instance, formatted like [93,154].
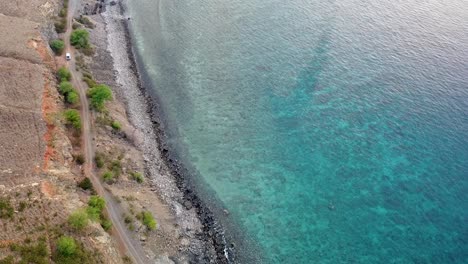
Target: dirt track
[120,232]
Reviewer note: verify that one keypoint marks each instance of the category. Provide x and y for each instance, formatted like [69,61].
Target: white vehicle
[68,56]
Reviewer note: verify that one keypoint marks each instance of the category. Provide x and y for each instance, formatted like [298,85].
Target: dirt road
[122,235]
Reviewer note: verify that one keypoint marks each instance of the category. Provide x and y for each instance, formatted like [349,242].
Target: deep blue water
[332,131]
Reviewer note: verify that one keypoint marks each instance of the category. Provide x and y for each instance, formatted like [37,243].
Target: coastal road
[127,245]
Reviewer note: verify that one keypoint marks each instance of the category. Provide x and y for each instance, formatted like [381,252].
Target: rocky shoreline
[203,235]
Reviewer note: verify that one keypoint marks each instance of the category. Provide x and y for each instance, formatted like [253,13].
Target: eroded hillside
[38,174]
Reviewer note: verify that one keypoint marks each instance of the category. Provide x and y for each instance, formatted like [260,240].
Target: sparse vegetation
[69,251]
[116,125]
[64,74]
[108,176]
[6,209]
[89,81]
[147,219]
[73,118]
[80,38]
[85,21]
[8,260]
[88,51]
[99,94]
[80,63]
[127,219]
[116,167]
[136,176]
[57,46]
[78,219]
[127,260]
[29,253]
[22,206]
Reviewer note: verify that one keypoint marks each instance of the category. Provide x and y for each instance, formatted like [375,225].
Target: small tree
[60,25]
[65,87]
[66,246]
[72,116]
[64,74]
[99,94]
[80,38]
[78,219]
[57,46]
[85,184]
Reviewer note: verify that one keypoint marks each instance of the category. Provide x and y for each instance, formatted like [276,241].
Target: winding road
[127,245]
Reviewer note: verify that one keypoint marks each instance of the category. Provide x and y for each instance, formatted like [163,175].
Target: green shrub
[96,205]
[63,12]
[64,74]
[80,38]
[147,219]
[73,118]
[99,159]
[99,94]
[75,26]
[66,246]
[57,46]
[73,97]
[6,210]
[108,176]
[137,176]
[106,224]
[116,125]
[93,213]
[86,184]
[78,219]
[88,51]
[65,87]
[97,202]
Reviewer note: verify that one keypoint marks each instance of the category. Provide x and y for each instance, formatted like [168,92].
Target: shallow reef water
[332,131]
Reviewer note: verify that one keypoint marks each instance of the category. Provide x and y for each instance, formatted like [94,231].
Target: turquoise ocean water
[332,131]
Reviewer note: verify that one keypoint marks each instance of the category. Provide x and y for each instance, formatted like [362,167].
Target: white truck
[68,56]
